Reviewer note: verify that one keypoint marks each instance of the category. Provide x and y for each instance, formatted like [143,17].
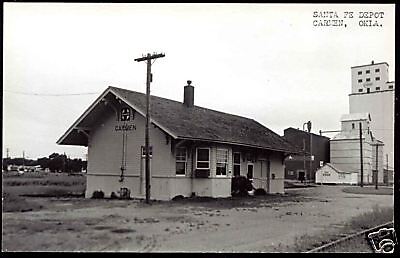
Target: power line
[51,95]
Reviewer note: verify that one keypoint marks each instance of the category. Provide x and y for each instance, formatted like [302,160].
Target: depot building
[194,150]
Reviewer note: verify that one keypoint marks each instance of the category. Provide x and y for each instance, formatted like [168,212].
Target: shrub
[241,185]
[178,198]
[98,194]
[260,191]
[114,195]
[125,193]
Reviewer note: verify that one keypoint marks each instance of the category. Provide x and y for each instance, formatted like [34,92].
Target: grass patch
[17,187]
[378,216]
[238,201]
[288,184]
[369,190]
[15,203]
[62,180]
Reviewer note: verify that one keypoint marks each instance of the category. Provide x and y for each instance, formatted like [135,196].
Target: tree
[6,162]
[43,162]
[56,162]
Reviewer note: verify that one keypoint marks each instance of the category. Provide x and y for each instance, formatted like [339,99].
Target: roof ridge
[208,124]
[305,132]
[200,107]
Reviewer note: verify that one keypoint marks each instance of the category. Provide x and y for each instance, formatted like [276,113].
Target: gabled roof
[333,167]
[330,165]
[195,123]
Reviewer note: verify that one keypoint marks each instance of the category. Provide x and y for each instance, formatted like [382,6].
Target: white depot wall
[202,187]
[104,150]
[111,183]
[277,174]
[381,107]
[221,187]
[180,186]
[105,155]
[105,158]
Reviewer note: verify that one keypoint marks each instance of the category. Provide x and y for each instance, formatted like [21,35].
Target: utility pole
[376,168]
[148,59]
[361,158]
[309,131]
[387,168]
[23,159]
[304,157]
[311,157]
[64,158]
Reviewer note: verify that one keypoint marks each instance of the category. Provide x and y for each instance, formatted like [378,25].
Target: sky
[267,62]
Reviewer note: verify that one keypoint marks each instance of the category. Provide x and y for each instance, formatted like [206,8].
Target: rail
[343,239]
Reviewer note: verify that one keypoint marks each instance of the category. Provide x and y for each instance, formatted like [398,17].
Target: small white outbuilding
[329,174]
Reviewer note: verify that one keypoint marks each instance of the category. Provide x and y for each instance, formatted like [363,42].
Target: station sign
[125,127]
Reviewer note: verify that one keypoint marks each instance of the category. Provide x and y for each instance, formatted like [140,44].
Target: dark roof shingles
[206,124]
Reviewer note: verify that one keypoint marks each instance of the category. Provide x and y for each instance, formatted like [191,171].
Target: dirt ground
[251,224]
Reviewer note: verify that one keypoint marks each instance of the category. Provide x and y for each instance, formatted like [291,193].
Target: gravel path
[259,225]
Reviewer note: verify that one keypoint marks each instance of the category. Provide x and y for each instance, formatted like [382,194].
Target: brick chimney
[188,95]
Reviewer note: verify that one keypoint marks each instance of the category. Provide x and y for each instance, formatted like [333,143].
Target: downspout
[269,172]
[192,170]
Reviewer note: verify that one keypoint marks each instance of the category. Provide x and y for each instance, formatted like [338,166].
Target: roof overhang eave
[238,143]
[95,103]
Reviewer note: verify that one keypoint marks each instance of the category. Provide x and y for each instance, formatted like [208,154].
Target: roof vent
[188,95]
[372,62]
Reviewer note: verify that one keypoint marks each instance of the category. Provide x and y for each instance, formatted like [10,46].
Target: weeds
[378,215]
[369,190]
[15,203]
[15,188]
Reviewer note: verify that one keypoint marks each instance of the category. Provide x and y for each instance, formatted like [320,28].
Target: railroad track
[347,238]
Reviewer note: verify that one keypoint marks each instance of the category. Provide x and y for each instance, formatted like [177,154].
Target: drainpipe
[190,156]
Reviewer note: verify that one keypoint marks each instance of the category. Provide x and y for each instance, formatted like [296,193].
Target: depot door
[250,172]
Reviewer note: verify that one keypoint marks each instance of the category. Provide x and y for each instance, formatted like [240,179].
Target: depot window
[390,86]
[359,72]
[222,162]
[368,79]
[377,78]
[360,90]
[377,70]
[180,156]
[236,163]
[203,158]
[359,80]
[377,88]
[367,71]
